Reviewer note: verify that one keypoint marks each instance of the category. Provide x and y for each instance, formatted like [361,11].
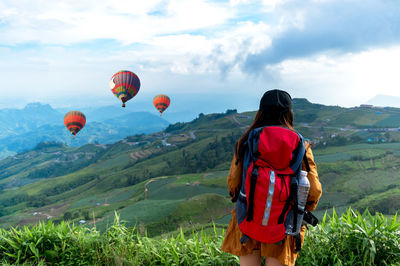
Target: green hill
[177,177]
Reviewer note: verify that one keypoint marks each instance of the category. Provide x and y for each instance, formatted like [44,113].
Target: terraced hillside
[177,177]
[54,176]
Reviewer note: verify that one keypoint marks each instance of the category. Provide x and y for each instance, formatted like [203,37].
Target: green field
[162,188]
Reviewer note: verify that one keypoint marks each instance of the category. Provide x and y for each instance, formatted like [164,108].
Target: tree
[67,216]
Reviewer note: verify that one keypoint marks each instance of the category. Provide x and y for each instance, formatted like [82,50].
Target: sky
[224,54]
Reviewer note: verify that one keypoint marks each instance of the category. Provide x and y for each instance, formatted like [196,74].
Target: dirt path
[165,143]
[234,118]
[125,141]
[146,189]
[192,135]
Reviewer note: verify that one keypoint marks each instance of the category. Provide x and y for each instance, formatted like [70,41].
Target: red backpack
[269,188]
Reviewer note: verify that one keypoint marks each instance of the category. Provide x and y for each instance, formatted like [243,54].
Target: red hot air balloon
[74,121]
[124,85]
[161,102]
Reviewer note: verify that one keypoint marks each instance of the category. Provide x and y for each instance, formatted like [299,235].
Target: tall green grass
[352,239]
[67,244]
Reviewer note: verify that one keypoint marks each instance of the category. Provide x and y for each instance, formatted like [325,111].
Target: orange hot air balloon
[74,121]
[161,102]
[124,85]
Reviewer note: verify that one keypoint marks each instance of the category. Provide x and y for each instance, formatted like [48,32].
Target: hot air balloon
[74,121]
[124,85]
[161,102]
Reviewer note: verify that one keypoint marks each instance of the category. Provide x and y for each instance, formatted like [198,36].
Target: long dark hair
[262,119]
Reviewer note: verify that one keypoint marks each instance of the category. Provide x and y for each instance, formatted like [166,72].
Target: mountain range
[23,129]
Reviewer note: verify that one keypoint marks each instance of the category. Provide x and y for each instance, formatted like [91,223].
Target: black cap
[276,100]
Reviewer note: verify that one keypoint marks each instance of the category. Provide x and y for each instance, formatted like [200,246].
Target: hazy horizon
[145,102]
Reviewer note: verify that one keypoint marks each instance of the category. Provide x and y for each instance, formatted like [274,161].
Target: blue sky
[331,52]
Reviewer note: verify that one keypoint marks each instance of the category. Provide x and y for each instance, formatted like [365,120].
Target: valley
[176,178]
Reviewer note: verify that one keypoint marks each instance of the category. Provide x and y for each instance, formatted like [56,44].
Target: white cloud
[187,53]
[57,47]
[348,79]
[273,3]
[66,22]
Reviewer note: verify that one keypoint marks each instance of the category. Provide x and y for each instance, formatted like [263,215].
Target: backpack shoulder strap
[298,155]
[295,165]
[252,143]
[305,160]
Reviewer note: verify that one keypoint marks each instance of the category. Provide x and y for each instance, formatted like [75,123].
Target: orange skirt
[284,253]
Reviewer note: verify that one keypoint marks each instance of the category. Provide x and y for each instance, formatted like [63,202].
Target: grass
[350,239]
[373,180]
[334,157]
[217,174]
[387,201]
[224,220]
[89,201]
[203,207]
[189,178]
[179,191]
[353,239]
[390,121]
[215,182]
[357,147]
[145,211]
[122,196]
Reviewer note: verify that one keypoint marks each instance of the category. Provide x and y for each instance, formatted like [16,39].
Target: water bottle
[302,194]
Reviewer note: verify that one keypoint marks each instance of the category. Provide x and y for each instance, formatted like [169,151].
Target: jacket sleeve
[315,186]
[235,178]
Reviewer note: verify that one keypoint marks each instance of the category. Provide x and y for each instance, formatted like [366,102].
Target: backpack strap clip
[298,242]
[305,160]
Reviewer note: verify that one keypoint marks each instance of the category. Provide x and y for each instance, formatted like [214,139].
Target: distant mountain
[34,115]
[385,100]
[23,129]
[103,113]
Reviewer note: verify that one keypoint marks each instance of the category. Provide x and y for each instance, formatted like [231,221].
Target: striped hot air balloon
[74,121]
[161,102]
[124,85]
